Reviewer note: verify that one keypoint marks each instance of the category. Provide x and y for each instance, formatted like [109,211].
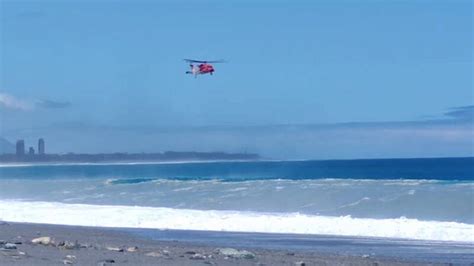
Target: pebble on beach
[9,246]
[154,254]
[198,256]
[234,253]
[114,249]
[45,240]
[71,245]
[132,249]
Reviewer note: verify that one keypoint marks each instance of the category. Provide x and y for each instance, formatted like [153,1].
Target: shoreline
[104,163]
[77,245]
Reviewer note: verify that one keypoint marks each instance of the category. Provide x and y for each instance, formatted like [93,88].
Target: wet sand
[74,245]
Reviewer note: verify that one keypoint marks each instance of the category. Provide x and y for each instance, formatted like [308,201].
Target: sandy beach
[39,244]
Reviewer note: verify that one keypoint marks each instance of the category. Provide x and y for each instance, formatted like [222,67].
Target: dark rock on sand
[105,262]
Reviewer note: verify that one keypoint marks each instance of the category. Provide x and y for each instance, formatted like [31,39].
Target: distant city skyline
[20,148]
[305,80]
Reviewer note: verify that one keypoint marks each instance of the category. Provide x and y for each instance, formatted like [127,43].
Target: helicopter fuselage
[201,69]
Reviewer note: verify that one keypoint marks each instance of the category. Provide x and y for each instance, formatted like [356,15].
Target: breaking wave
[237,221]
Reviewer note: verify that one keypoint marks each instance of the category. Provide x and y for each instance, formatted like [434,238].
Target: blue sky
[74,70]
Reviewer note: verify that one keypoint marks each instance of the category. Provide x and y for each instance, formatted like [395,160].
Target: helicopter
[203,67]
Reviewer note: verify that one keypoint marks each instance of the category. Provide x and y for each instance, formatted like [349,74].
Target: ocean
[413,199]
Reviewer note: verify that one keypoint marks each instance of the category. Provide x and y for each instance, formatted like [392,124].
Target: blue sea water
[431,199]
[455,169]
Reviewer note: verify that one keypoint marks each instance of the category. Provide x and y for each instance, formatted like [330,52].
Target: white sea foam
[110,181]
[355,203]
[183,189]
[304,182]
[186,219]
[237,189]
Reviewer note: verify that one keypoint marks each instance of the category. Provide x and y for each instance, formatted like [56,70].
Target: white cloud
[11,102]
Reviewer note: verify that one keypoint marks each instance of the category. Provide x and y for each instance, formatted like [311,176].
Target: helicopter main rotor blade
[204,62]
[194,61]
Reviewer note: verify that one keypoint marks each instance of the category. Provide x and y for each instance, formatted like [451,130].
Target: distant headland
[20,156]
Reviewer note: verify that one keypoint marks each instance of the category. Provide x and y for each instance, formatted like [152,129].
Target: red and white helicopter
[203,67]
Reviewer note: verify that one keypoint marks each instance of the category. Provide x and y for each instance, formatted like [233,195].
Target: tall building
[41,146]
[31,151]
[20,147]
